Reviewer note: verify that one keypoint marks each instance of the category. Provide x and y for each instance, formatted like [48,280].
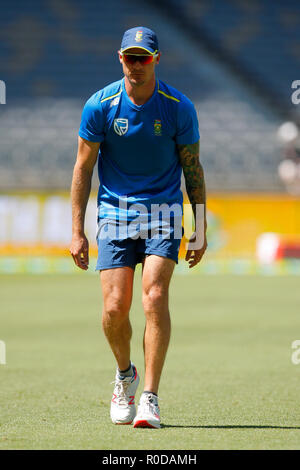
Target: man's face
[137,73]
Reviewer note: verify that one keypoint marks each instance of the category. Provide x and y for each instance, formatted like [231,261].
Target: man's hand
[194,256]
[79,250]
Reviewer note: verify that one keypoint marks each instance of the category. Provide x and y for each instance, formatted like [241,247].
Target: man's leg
[157,273]
[117,285]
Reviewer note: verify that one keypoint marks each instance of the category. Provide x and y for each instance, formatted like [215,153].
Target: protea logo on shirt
[139,36]
[120,126]
[157,127]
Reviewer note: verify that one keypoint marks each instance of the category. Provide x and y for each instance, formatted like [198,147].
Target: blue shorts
[125,249]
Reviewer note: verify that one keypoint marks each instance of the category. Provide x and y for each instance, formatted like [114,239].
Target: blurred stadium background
[237,61]
[233,333]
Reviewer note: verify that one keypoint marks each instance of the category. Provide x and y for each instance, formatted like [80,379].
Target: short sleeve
[92,121]
[187,124]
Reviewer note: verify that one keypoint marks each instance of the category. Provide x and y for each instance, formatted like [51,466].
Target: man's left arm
[195,188]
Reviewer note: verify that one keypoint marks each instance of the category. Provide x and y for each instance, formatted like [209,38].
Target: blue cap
[141,37]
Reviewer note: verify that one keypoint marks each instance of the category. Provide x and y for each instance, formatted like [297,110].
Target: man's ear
[158,58]
[120,57]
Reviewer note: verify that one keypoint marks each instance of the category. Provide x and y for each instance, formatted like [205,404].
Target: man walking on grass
[143,133]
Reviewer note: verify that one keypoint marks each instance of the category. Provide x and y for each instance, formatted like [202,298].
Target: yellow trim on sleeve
[165,94]
[112,96]
[168,96]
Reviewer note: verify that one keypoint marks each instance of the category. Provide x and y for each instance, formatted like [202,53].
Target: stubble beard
[136,82]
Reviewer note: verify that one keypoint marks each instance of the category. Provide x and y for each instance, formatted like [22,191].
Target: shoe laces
[150,403]
[121,391]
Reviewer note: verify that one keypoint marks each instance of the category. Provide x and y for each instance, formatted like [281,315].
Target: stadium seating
[55,54]
[262,39]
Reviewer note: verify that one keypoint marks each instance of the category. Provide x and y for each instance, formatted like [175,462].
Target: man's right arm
[80,191]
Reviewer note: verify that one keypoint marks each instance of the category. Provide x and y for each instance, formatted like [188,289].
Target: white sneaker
[122,408]
[148,415]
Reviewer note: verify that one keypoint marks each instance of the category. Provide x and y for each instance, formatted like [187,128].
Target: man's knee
[115,309]
[155,299]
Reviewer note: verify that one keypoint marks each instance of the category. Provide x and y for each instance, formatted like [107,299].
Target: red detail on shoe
[121,424]
[135,375]
[114,397]
[132,400]
[143,423]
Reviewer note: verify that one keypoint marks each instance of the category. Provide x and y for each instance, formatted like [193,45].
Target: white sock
[125,373]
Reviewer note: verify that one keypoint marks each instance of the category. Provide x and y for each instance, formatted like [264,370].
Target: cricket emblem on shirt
[157,127]
[120,126]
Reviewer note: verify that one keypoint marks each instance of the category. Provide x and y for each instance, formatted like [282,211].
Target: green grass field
[228,381]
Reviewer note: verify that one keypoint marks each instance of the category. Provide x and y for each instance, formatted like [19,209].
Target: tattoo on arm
[193,174]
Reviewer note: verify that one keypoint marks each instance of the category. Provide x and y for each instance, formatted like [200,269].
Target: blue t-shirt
[138,160]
